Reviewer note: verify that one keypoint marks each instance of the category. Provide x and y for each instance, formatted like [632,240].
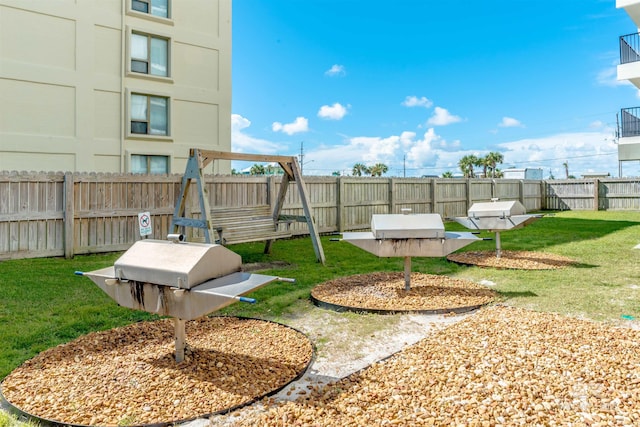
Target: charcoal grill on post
[178,279]
[408,235]
[496,216]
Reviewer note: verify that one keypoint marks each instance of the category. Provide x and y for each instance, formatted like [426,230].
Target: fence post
[543,195]
[434,197]
[340,204]
[392,199]
[596,194]
[271,191]
[521,191]
[69,214]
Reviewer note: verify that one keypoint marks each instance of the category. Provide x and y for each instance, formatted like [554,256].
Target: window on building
[153,7]
[148,164]
[149,114]
[149,54]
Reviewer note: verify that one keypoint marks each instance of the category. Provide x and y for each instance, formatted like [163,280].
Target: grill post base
[407,273]
[498,245]
[180,338]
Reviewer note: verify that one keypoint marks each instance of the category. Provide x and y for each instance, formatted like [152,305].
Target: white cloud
[442,117]
[584,151]
[414,101]
[336,70]
[430,153]
[300,124]
[510,122]
[238,122]
[404,150]
[406,138]
[242,142]
[425,151]
[332,112]
[376,149]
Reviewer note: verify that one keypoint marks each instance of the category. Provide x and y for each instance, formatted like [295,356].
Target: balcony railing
[630,122]
[629,48]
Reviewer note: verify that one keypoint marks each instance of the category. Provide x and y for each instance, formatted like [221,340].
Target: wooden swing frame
[199,159]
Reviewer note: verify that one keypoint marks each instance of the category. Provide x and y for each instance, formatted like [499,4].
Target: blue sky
[417,84]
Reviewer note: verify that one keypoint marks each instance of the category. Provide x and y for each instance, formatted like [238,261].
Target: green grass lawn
[43,304]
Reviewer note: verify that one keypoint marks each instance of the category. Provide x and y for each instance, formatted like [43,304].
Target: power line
[570,158]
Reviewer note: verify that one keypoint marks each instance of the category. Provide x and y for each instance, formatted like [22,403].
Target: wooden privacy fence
[63,214]
[593,194]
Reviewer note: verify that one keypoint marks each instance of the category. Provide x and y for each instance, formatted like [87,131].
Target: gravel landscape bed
[128,376]
[500,366]
[517,260]
[386,292]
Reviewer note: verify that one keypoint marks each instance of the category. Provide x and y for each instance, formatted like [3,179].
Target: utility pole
[404,166]
[301,156]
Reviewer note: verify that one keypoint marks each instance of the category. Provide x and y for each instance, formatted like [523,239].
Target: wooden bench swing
[243,224]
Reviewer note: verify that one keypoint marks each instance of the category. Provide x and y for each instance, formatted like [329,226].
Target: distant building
[589,175]
[629,69]
[114,86]
[268,169]
[526,173]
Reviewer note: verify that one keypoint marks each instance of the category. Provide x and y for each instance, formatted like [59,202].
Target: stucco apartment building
[629,69]
[113,85]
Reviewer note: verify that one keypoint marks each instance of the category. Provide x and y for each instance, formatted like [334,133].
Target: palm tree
[566,169]
[480,163]
[257,169]
[447,174]
[484,163]
[378,169]
[273,169]
[359,169]
[466,164]
[492,160]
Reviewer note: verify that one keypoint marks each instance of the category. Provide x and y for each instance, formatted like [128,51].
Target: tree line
[470,166]
[488,163]
[378,169]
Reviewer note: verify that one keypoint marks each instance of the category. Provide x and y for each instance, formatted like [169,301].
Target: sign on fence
[144,221]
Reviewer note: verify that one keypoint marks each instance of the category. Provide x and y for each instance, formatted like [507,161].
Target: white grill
[407,235]
[178,279]
[497,216]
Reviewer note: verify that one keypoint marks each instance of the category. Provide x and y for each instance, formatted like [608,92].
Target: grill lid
[175,264]
[496,209]
[400,226]
[410,247]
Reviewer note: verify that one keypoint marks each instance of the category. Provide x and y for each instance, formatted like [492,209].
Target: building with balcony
[113,85]
[629,69]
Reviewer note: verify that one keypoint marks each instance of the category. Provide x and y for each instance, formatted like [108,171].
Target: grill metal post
[407,273]
[498,245]
[180,338]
